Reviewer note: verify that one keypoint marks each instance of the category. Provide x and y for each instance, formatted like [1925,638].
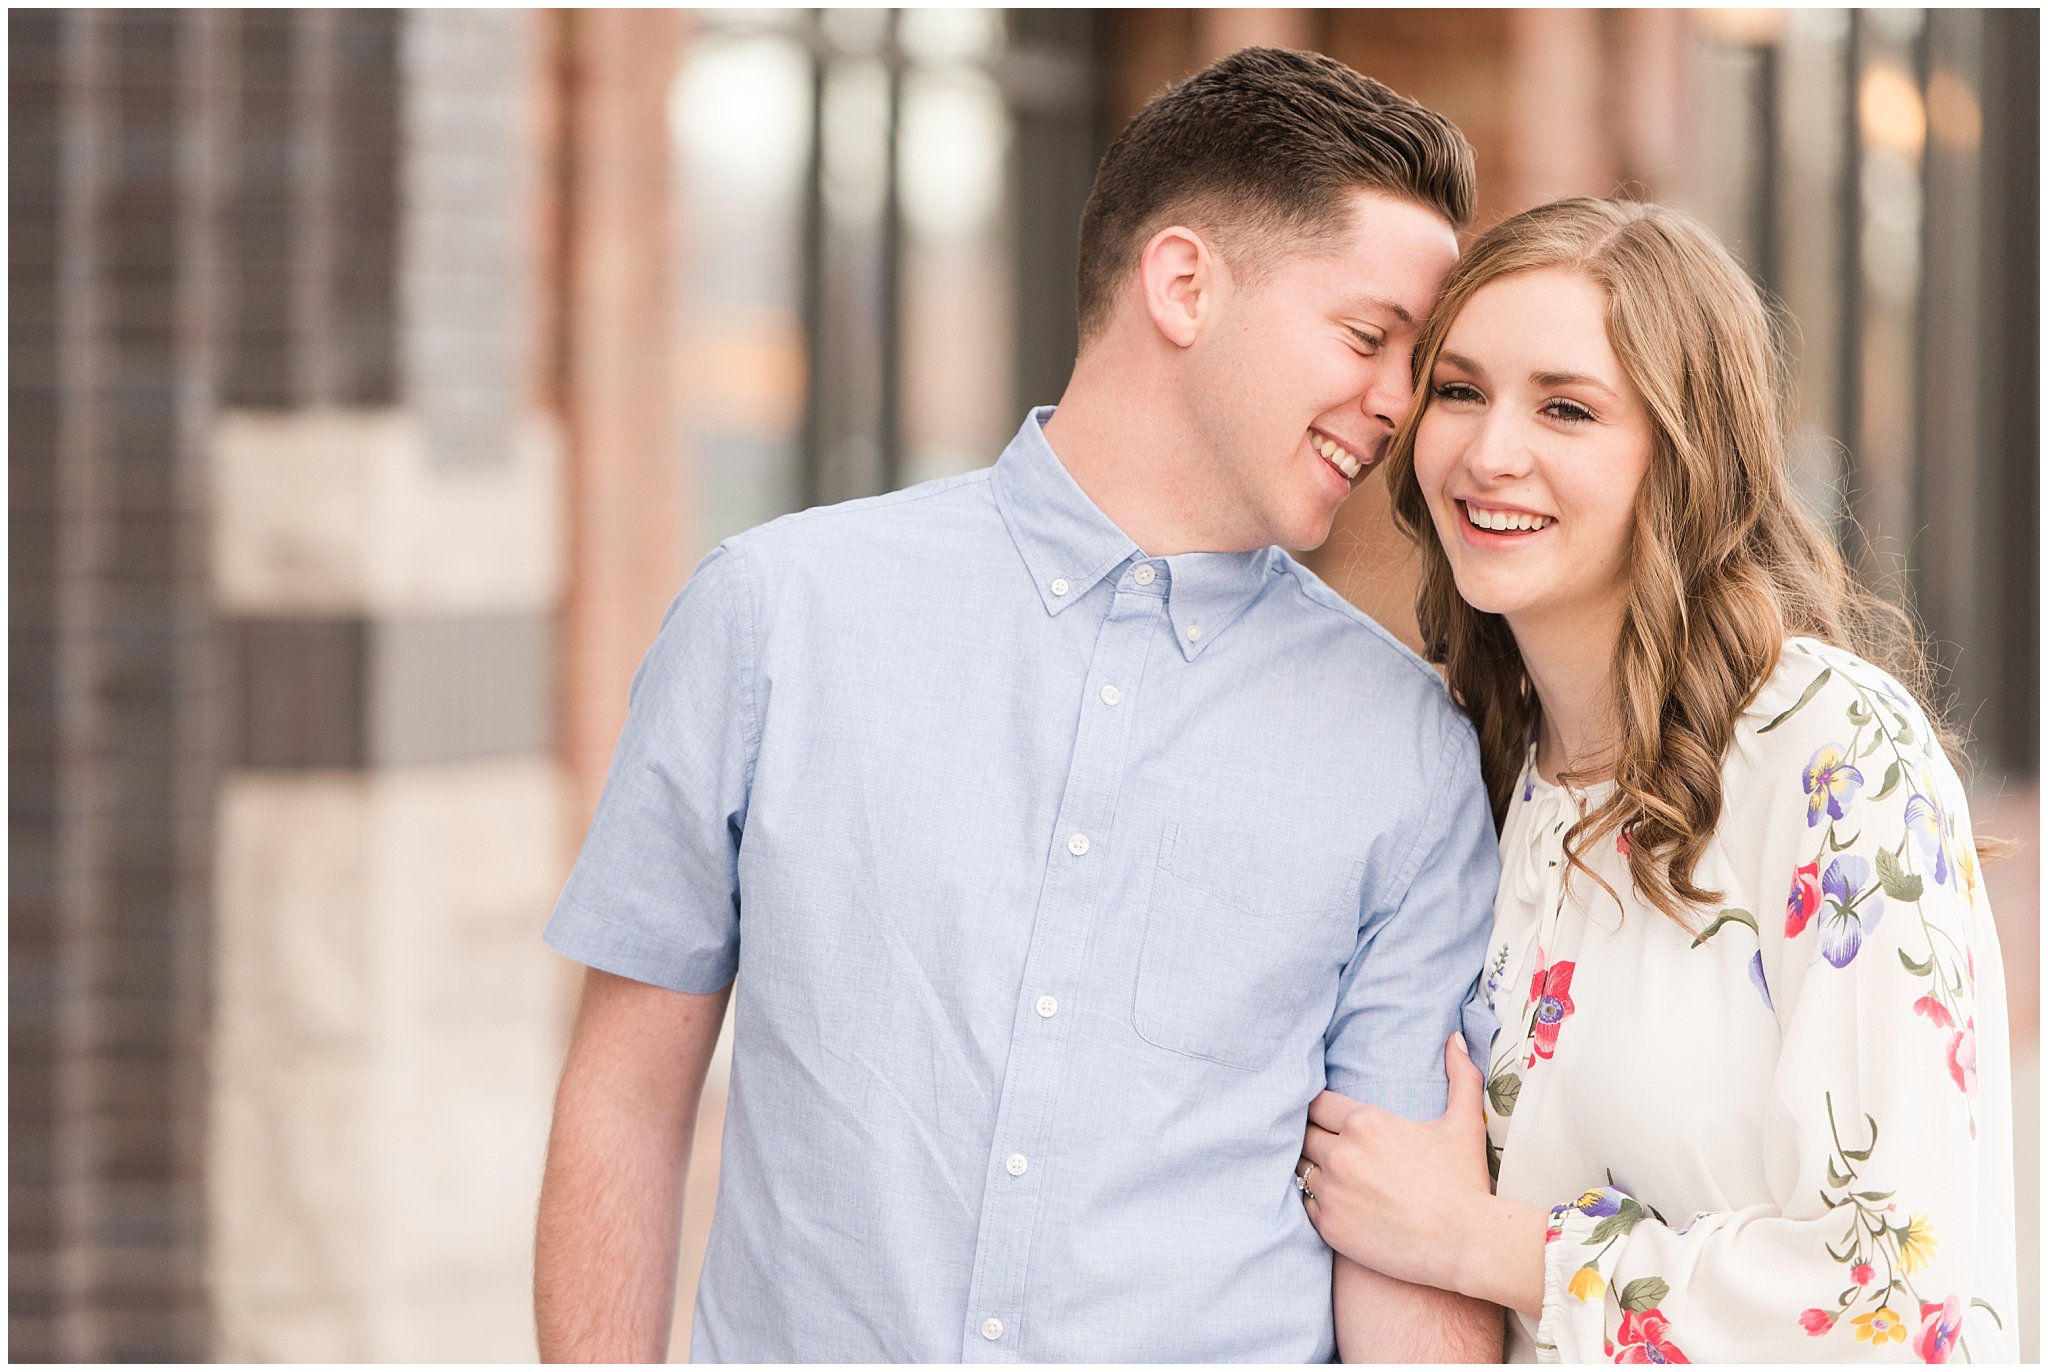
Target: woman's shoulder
[1829,731]
[1819,692]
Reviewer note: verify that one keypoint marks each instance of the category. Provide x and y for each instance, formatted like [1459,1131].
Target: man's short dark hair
[1259,151]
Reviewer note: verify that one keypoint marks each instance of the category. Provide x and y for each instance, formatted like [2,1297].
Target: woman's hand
[1397,1196]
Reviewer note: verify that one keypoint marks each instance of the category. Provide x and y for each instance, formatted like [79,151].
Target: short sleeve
[1409,983]
[654,894]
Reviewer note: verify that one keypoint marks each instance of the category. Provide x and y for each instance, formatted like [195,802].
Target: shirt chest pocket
[1244,941]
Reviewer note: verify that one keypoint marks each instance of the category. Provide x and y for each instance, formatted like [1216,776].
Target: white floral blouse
[1787,1135]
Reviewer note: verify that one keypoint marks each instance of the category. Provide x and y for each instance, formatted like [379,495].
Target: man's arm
[1380,1319]
[611,1199]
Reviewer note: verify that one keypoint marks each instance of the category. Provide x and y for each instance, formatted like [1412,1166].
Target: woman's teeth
[1506,521]
[1337,457]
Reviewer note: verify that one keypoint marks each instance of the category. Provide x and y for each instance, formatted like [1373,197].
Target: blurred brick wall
[284,505]
[611,239]
[113,207]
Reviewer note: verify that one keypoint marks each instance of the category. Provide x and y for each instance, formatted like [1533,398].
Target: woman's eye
[1570,411]
[1454,392]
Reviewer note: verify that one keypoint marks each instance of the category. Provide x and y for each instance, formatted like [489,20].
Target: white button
[1047,1007]
[1143,576]
[1110,695]
[991,1329]
[1078,844]
[1194,632]
[1059,586]
[1015,1164]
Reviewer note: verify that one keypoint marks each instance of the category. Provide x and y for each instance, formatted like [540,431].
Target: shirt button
[1059,586]
[991,1329]
[1078,845]
[1015,1164]
[1143,576]
[1110,695]
[1194,632]
[1047,1007]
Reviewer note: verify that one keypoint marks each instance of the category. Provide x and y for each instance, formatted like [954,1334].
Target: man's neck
[1140,462]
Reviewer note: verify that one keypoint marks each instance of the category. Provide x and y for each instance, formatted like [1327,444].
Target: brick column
[613,365]
[114,139]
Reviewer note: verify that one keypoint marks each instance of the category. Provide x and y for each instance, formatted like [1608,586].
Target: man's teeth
[1337,456]
[1506,521]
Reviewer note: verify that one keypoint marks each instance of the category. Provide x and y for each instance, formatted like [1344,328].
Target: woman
[1739,1107]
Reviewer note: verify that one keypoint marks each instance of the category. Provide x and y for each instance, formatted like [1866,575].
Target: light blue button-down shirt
[1057,880]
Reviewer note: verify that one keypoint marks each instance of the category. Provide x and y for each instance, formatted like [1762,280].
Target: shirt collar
[1068,545]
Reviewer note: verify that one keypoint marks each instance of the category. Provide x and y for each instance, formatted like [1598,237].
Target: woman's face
[1531,453]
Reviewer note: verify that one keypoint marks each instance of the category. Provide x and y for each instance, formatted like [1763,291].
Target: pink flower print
[1934,1010]
[1553,1006]
[1804,902]
[1962,1058]
[1621,843]
[1940,1326]
[1816,1322]
[1831,782]
[1646,1338]
[1861,1273]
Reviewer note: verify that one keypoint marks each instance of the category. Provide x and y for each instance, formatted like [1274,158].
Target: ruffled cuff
[1582,1249]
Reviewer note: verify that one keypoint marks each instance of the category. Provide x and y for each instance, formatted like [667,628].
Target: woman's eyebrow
[1571,379]
[1460,361]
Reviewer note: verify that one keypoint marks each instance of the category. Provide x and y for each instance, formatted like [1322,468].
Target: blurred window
[1879,171]
[852,204]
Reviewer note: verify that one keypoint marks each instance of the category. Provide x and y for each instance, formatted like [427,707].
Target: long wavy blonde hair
[1723,565]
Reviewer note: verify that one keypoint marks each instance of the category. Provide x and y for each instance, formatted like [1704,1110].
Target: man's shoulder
[930,504]
[1361,640]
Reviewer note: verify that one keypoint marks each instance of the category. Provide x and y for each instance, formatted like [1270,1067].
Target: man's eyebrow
[1366,304]
[1547,379]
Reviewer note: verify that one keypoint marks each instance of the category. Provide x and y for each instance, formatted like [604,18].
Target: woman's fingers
[1330,1110]
[1464,1080]
[1316,1143]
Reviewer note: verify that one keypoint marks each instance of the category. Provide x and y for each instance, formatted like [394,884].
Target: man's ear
[1179,277]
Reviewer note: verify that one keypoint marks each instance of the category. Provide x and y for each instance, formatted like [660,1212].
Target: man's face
[1306,372]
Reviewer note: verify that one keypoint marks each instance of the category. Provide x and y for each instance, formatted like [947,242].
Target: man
[1064,835]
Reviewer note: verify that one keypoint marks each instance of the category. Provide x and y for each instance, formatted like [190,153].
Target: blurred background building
[376,377]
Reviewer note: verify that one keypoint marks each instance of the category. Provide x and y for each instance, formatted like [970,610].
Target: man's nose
[1387,399]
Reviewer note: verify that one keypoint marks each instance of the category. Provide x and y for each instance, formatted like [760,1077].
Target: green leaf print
[1804,700]
[1891,781]
[1618,1223]
[1727,917]
[1503,1091]
[1863,1154]
[1918,969]
[1898,883]
[1644,1293]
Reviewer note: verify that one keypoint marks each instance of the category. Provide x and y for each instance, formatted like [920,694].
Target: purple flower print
[1831,782]
[1930,831]
[1843,927]
[1599,1203]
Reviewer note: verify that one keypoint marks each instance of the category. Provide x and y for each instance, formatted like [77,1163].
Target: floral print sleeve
[1879,1222]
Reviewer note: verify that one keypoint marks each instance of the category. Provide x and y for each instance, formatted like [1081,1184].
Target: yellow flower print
[1586,1284]
[1917,1244]
[1880,1326]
